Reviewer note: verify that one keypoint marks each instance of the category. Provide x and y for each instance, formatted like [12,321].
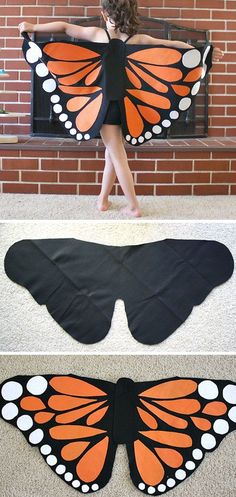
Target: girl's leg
[113,140]
[108,180]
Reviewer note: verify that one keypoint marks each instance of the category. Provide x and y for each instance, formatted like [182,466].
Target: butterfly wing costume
[79,282]
[168,426]
[152,84]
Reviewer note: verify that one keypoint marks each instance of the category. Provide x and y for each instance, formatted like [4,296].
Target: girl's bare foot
[136,212]
[103,205]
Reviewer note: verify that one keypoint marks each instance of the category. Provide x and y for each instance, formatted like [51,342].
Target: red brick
[192,178]
[175,165]
[59,165]
[19,188]
[9,11]
[58,189]
[211,165]
[77,154]
[224,177]
[9,176]
[174,190]
[226,154]
[142,165]
[38,153]
[92,165]
[144,189]
[223,14]
[210,4]
[210,190]
[9,153]
[69,11]
[39,176]
[179,3]
[165,13]
[89,189]
[154,178]
[195,154]
[155,155]
[20,164]
[233,190]
[38,11]
[78,177]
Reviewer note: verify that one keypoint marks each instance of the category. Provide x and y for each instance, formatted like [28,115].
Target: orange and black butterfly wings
[180,420]
[160,84]
[73,77]
[70,420]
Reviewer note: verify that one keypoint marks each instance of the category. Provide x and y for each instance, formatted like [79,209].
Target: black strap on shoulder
[109,38]
[130,36]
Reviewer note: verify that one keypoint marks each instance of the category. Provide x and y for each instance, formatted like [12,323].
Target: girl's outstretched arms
[86,33]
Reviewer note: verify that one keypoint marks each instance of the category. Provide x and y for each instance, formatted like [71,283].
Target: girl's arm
[86,33]
[168,43]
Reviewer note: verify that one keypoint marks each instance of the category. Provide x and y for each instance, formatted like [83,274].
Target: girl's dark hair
[124,13]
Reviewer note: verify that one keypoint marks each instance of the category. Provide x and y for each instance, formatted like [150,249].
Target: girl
[121,19]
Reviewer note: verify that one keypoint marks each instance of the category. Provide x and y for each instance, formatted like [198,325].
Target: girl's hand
[26,26]
[217,54]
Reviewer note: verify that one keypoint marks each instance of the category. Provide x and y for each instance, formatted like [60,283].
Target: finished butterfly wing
[161,83]
[179,421]
[73,76]
[69,419]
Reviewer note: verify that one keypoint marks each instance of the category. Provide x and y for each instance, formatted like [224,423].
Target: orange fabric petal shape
[201,423]
[91,464]
[93,76]
[193,75]
[173,389]
[149,114]
[87,117]
[133,78]
[74,78]
[182,406]
[181,90]
[68,51]
[73,450]
[170,419]
[215,408]
[148,420]
[154,83]
[96,416]
[75,386]
[71,416]
[170,457]
[77,103]
[160,56]
[134,120]
[32,404]
[170,74]
[76,90]
[148,465]
[151,98]
[58,67]
[66,402]
[174,439]
[69,432]
[43,417]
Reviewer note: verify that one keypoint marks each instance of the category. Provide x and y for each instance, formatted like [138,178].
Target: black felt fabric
[79,282]
[122,423]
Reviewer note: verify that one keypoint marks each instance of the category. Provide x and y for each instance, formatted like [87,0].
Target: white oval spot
[51,460]
[45,449]
[204,70]
[128,137]
[9,411]
[206,54]
[166,123]
[60,469]
[185,103]
[170,482]
[208,441]
[41,70]
[12,390]
[190,465]
[141,486]
[95,487]
[151,490]
[73,131]
[68,476]
[34,53]
[76,483]
[161,488]
[197,454]
[180,474]
[63,117]
[191,58]
[79,136]
[85,488]
[232,414]
[221,426]
[86,136]
[148,135]
[195,88]
[133,141]
[141,139]
[174,114]
[208,390]
[55,99]
[57,108]
[157,129]
[24,422]
[36,436]
[68,124]
[229,394]
[49,85]
[37,385]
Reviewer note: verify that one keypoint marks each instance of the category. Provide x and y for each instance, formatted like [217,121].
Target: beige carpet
[25,474]
[26,326]
[16,206]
